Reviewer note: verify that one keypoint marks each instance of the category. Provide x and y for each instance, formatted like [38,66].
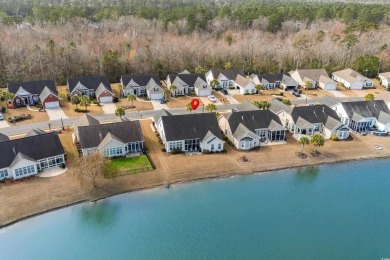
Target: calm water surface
[330,212]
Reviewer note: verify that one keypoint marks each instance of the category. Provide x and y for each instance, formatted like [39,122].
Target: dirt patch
[181,102]
[36,116]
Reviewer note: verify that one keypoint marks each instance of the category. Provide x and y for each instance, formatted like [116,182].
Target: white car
[1,116]
[212,98]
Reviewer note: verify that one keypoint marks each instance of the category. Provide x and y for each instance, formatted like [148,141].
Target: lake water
[330,212]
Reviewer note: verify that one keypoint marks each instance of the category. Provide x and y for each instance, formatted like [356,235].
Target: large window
[191,145]
[113,151]
[50,162]
[175,146]
[134,147]
[3,174]
[24,171]
[262,133]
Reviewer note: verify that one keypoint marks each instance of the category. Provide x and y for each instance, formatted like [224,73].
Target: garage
[157,96]
[107,99]
[51,104]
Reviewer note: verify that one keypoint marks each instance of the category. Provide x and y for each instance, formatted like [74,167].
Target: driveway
[3,124]
[157,106]
[230,97]
[108,108]
[337,94]
[55,113]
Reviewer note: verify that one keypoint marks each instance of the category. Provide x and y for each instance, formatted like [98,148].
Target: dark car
[163,101]
[225,92]
[296,93]
[278,99]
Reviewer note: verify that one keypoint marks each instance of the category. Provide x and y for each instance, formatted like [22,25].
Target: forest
[56,39]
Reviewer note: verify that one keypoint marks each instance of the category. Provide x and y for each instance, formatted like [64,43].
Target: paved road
[57,124]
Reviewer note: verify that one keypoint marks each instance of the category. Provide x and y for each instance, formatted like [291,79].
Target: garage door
[52,104]
[156,96]
[105,99]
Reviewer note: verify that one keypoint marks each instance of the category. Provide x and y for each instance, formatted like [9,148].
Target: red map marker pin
[194,103]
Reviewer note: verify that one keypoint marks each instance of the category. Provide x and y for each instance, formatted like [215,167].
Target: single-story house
[111,140]
[362,116]
[187,83]
[245,85]
[384,79]
[21,158]
[94,86]
[189,132]
[226,78]
[250,129]
[142,85]
[352,79]
[272,81]
[317,77]
[308,120]
[32,92]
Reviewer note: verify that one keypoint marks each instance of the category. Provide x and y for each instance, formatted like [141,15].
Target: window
[212,147]
[176,146]
[113,151]
[191,144]
[219,146]
[3,173]
[24,171]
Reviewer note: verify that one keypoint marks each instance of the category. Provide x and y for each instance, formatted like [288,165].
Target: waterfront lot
[41,194]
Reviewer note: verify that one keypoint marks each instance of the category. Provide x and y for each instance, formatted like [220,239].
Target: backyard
[125,166]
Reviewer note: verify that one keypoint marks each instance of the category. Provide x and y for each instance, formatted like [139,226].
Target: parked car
[163,101]
[212,98]
[278,99]
[1,116]
[225,92]
[297,92]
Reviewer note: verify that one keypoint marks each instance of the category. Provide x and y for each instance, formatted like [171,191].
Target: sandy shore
[32,197]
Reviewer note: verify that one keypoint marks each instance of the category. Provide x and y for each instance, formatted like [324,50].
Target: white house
[245,85]
[111,140]
[189,132]
[226,78]
[362,116]
[250,129]
[317,77]
[352,79]
[187,83]
[142,85]
[308,120]
[20,157]
[272,81]
[384,78]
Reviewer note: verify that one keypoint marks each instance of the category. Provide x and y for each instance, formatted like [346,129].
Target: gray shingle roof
[365,108]
[190,126]
[189,79]
[230,74]
[91,136]
[314,114]
[86,120]
[141,80]
[34,87]
[35,131]
[312,74]
[91,82]
[3,137]
[256,119]
[328,101]
[277,106]
[159,114]
[383,117]
[385,96]
[49,145]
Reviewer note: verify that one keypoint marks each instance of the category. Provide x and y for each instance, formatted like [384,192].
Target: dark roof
[91,82]
[314,114]
[86,119]
[36,147]
[190,126]
[141,80]
[230,74]
[190,79]
[271,78]
[91,135]
[34,87]
[3,137]
[159,114]
[35,131]
[365,108]
[252,120]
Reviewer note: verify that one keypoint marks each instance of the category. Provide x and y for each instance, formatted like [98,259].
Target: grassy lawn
[124,166]
[69,146]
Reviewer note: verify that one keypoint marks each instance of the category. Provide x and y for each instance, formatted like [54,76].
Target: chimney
[253,118]
[13,149]
[100,135]
[323,110]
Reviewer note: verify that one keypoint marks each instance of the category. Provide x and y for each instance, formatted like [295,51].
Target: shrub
[176,151]
[115,100]
[206,152]
[231,87]
[3,109]
[334,138]
[78,110]
[163,149]
[281,94]
[68,97]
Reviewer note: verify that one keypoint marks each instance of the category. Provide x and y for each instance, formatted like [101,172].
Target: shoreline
[189,180]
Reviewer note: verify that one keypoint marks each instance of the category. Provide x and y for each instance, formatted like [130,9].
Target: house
[187,83]
[111,140]
[308,120]
[352,79]
[250,129]
[95,87]
[32,92]
[245,85]
[142,85]
[190,132]
[21,158]
[317,77]
[272,81]
[362,116]
[226,78]
[384,79]
[385,96]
